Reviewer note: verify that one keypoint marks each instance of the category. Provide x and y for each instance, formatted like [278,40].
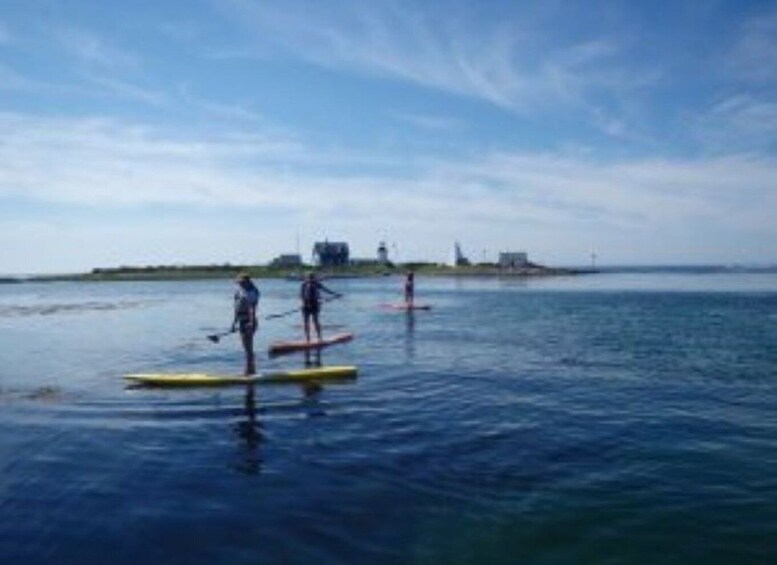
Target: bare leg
[306,323]
[247,337]
[318,326]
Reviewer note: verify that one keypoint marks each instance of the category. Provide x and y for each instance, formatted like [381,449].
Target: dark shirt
[310,293]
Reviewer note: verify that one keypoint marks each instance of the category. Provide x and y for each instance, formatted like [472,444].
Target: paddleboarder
[409,289]
[310,295]
[246,302]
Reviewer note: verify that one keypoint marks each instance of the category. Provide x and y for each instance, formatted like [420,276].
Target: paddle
[216,337]
[289,312]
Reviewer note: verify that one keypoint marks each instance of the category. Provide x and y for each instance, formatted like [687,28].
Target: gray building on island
[513,259]
[331,254]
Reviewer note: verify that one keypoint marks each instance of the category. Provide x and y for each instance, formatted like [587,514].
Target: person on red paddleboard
[409,289]
[310,295]
[246,302]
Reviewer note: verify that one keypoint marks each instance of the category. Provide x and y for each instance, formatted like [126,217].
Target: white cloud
[547,201]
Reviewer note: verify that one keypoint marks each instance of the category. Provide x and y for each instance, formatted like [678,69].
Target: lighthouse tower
[382,253]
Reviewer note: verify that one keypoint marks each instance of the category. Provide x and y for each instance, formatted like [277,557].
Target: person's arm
[325,289]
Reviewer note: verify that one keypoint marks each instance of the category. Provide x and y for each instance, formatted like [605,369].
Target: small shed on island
[287,260]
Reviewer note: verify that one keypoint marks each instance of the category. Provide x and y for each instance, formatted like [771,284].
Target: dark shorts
[311,309]
[246,328]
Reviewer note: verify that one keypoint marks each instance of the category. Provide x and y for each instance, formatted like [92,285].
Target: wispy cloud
[228,111]
[744,122]
[180,30]
[754,56]
[10,79]
[504,64]
[5,34]
[92,49]
[429,122]
[748,114]
[128,90]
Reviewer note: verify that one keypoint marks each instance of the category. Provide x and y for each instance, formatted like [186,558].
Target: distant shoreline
[205,272]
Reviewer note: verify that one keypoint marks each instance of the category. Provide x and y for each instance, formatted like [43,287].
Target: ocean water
[619,418]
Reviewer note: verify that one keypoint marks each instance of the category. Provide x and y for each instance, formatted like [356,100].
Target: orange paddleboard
[281,347]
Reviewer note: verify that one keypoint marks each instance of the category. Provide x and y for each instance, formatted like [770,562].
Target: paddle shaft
[215,337]
[289,312]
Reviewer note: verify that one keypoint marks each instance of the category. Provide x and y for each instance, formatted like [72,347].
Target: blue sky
[216,131]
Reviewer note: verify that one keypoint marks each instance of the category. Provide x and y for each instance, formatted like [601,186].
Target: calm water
[601,419]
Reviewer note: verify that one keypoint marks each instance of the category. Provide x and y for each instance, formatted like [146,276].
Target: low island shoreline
[204,272]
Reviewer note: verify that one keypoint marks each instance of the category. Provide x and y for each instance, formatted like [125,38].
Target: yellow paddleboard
[203,379]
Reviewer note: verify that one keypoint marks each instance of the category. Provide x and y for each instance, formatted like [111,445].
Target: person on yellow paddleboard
[310,295]
[246,302]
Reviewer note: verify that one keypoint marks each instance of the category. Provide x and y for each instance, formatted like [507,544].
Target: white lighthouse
[383,253]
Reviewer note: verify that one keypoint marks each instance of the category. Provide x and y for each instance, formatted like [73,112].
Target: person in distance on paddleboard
[310,295]
[409,289]
[246,302]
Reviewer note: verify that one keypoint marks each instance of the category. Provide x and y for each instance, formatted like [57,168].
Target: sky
[227,131]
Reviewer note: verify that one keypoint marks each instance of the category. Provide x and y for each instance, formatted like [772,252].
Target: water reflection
[311,401]
[312,358]
[312,390]
[250,432]
[410,334]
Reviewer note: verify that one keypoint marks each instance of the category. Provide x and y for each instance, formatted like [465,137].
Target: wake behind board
[282,347]
[173,380]
[406,307]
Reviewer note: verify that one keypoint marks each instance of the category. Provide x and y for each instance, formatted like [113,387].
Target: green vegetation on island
[227,270]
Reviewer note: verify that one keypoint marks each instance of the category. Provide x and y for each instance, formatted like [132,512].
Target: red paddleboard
[281,347]
[405,307]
